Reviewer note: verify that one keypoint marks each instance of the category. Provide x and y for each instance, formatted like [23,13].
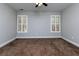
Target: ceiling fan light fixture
[40,4]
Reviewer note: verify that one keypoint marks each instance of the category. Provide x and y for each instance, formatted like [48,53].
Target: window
[55,23]
[22,23]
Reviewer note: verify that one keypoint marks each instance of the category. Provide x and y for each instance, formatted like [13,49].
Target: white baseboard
[72,42]
[5,43]
[40,37]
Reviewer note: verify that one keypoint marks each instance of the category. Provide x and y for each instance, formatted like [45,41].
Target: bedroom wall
[70,23]
[7,24]
[38,24]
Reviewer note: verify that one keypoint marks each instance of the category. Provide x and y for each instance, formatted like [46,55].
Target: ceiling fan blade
[36,6]
[45,4]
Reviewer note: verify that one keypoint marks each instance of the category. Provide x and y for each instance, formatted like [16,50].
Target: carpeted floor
[39,47]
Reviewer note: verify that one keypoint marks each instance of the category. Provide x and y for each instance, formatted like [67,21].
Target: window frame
[20,24]
[55,24]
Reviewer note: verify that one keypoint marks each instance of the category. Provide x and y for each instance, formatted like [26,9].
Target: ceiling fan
[40,4]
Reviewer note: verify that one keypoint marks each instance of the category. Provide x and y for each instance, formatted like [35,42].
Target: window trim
[51,24]
[26,23]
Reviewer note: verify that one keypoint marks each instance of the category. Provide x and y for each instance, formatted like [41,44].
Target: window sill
[55,31]
[21,32]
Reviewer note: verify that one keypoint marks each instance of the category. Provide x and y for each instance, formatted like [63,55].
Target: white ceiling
[31,6]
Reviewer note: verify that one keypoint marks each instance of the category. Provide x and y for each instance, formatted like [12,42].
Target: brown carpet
[39,47]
